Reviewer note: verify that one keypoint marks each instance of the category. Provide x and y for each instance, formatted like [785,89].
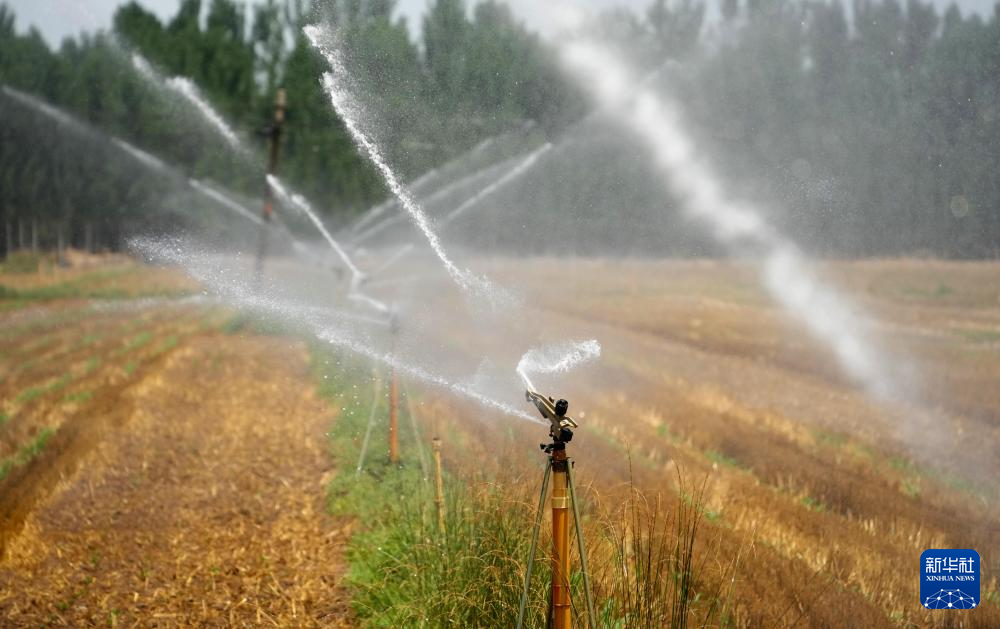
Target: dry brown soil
[183,484]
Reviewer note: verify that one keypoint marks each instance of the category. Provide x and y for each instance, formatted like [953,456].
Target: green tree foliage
[428,107]
[869,131]
[876,135]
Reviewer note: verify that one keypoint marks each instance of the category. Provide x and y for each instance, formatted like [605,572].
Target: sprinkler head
[561,424]
[561,407]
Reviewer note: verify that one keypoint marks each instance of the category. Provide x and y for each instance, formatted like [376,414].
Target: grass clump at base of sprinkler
[403,571]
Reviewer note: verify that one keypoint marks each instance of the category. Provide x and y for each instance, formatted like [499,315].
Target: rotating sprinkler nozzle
[560,424]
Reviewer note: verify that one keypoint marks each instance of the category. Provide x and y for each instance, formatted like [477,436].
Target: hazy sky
[59,18]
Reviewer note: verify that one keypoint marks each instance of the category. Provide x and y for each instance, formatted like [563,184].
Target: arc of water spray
[207,272]
[383,207]
[786,275]
[420,182]
[145,158]
[30,101]
[348,111]
[156,164]
[437,195]
[186,88]
[150,161]
[515,172]
[511,175]
[189,91]
[225,201]
[298,201]
[332,337]
[559,358]
[354,292]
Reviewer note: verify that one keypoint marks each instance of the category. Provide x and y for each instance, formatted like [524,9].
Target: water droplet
[959,206]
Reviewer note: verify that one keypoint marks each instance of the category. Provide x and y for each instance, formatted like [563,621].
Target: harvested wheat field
[161,472]
[169,463]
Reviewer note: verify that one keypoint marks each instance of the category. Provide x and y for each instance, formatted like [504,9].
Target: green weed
[664,432]
[168,344]
[137,341]
[79,396]
[940,291]
[813,504]
[901,464]
[61,382]
[979,335]
[233,325]
[910,486]
[27,452]
[32,393]
[721,459]
[29,394]
[832,439]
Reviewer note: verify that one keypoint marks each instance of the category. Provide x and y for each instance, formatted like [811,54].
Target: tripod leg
[591,617]
[534,543]
[376,386]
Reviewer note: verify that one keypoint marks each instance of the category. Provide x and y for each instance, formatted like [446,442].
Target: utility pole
[274,137]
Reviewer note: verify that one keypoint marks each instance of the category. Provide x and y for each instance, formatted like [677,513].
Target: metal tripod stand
[559,468]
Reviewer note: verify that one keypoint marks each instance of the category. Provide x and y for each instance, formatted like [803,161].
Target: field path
[202,506]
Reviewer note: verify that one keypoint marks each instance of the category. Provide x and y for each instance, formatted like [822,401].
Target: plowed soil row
[189,493]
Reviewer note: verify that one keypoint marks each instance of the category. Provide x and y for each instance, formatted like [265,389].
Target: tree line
[869,131]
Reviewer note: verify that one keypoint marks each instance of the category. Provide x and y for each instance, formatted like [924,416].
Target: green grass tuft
[29,394]
[979,335]
[722,459]
[27,452]
[32,393]
[404,572]
[79,396]
[910,486]
[137,341]
[813,504]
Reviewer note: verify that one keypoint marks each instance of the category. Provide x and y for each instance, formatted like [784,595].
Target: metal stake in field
[393,397]
[274,136]
[560,468]
[438,485]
